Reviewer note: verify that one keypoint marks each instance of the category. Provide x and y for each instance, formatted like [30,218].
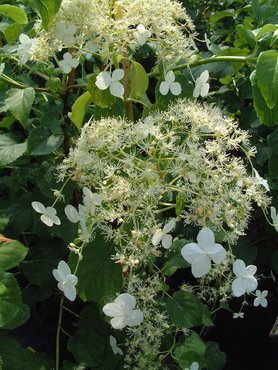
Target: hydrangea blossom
[245,281]
[68,63]
[142,34]
[260,299]
[25,49]
[239,315]
[274,217]
[194,366]
[200,255]
[66,280]
[48,216]
[123,313]
[105,80]
[113,344]
[65,33]
[169,84]
[261,181]
[201,85]
[161,235]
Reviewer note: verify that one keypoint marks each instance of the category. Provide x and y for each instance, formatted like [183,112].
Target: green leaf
[180,203]
[12,311]
[14,12]
[11,253]
[245,251]
[214,358]
[185,310]
[190,350]
[246,35]
[10,149]
[220,15]
[267,76]
[19,103]
[46,9]
[101,98]
[272,141]
[139,80]
[13,31]
[79,109]
[42,142]
[97,266]
[18,358]
[267,116]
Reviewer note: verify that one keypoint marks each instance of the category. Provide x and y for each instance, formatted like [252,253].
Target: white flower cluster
[119,26]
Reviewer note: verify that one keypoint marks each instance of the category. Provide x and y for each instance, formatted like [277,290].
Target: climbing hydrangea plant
[136,169]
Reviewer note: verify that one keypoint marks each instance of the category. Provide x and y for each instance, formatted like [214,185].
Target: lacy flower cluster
[187,157]
[115,28]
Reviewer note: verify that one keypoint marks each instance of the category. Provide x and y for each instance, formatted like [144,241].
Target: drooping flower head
[245,281]
[66,280]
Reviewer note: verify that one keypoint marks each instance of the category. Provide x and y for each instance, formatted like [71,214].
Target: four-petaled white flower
[169,84]
[25,49]
[260,300]
[142,34]
[245,281]
[201,85]
[113,344]
[260,180]
[274,216]
[239,315]
[161,235]
[66,281]
[91,200]
[194,366]
[90,48]
[65,33]
[123,313]
[200,255]
[105,80]
[48,216]
[68,63]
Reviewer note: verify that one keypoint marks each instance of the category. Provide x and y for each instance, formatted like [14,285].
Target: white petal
[175,88]
[191,252]
[24,38]
[67,57]
[273,215]
[156,239]
[205,238]
[238,287]
[38,207]
[204,90]
[64,66]
[218,253]
[250,270]
[71,29]
[204,76]
[167,241]
[194,366]
[61,27]
[251,283]
[64,269]
[112,310]
[140,28]
[71,279]
[103,80]
[141,38]
[164,88]
[57,275]
[46,220]
[239,268]
[74,62]
[264,302]
[135,318]
[117,75]
[72,214]
[70,292]
[201,266]
[118,322]
[169,226]
[264,293]
[126,300]
[170,77]
[56,220]
[96,199]
[257,302]
[196,91]
[117,89]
